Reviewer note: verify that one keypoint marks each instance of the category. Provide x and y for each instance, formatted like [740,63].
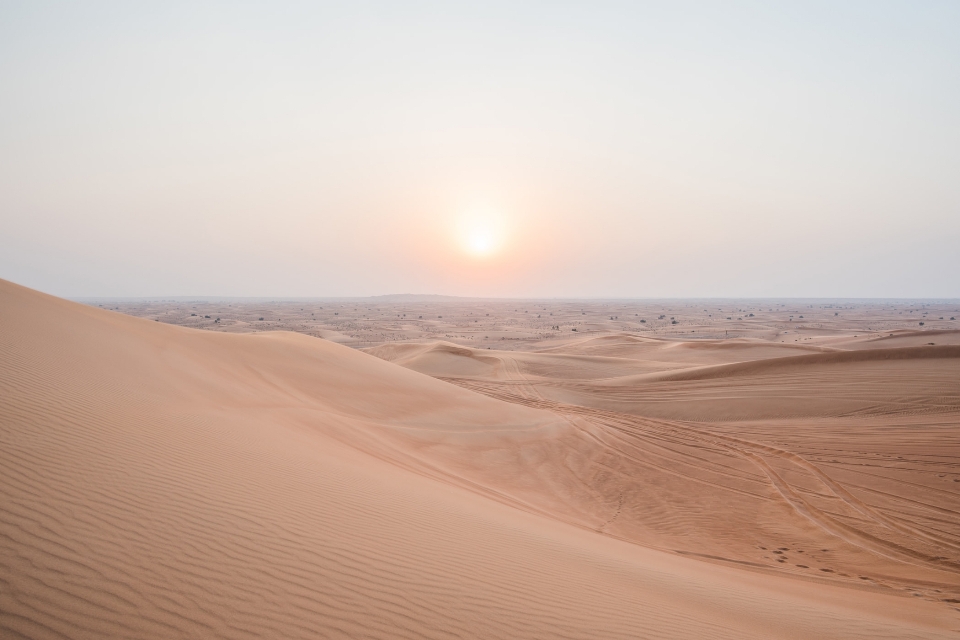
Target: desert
[468,321]
[169,481]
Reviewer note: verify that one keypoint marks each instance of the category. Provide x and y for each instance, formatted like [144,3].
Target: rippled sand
[160,481]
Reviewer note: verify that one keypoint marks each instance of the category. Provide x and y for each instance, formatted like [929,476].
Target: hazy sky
[514,149]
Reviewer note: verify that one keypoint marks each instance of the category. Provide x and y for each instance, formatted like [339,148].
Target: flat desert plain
[417,467]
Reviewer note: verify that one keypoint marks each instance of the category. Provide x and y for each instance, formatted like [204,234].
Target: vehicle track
[880,533]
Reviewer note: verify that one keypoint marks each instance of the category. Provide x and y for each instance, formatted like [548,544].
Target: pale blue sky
[618,149]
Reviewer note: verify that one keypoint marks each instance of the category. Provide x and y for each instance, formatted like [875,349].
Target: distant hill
[416,297]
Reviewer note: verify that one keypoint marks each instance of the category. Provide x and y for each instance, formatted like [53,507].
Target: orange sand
[159,481]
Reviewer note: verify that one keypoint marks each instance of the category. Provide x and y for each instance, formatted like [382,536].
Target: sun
[480,242]
[481,232]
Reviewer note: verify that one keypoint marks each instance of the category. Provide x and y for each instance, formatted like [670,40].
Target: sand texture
[784,327]
[159,481]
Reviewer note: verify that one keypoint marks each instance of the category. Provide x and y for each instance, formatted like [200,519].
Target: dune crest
[165,482]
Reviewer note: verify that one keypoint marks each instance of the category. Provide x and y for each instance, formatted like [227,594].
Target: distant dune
[158,481]
[831,358]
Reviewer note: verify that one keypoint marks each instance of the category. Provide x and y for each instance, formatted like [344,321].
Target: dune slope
[164,482]
[837,464]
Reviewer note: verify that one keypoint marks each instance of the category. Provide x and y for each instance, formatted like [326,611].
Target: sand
[804,325]
[160,481]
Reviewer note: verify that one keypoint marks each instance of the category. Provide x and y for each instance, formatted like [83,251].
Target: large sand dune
[837,462]
[159,481]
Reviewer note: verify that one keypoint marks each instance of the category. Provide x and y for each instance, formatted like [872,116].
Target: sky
[515,149]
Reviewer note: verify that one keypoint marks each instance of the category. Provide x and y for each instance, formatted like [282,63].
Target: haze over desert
[499,320]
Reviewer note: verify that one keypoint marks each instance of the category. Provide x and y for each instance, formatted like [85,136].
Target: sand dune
[159,481]
[672,330]
[860,444]
[680,352]
[834,357]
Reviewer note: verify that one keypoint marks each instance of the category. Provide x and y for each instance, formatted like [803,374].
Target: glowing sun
[481,232]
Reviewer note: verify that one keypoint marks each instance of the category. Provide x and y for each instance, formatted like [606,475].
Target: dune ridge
[831,357]
[695,438]
[165,482]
